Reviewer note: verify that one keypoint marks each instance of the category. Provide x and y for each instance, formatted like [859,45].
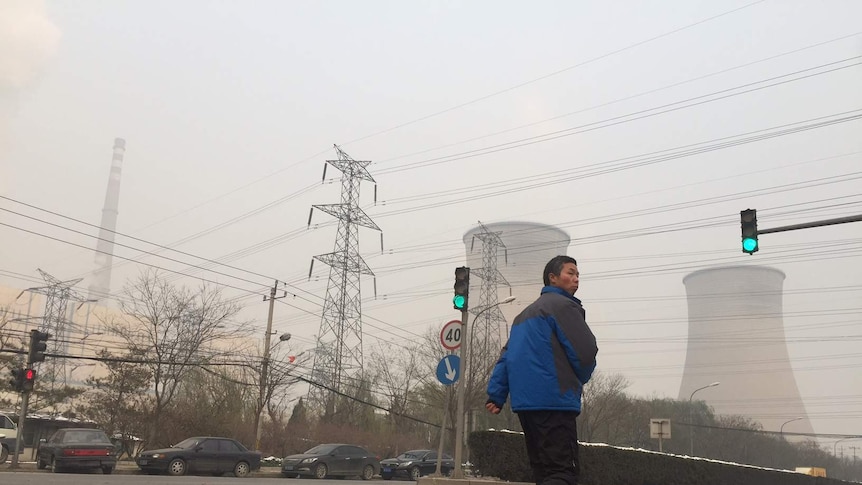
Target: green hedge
[504,456]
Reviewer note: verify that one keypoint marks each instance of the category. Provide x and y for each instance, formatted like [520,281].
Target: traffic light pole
[22,415]
[35,355]
[458,471]
[806,225]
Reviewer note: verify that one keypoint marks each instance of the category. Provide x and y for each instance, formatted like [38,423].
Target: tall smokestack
[100,283]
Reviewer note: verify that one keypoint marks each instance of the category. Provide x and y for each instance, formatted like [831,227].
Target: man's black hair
[555,266]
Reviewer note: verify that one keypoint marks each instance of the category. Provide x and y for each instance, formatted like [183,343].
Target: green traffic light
[459,301]
[749,244]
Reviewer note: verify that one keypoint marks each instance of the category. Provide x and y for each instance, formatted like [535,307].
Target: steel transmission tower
[488,329]
[57,295]
[339,342]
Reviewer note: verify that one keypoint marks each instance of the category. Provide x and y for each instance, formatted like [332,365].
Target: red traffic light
[29,380]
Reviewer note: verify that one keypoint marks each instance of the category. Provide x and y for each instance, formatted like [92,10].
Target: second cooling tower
[528,247]
[736,337]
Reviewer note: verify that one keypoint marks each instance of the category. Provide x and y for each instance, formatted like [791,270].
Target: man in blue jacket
[550,355]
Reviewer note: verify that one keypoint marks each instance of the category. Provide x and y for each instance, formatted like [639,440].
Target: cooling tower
[528,247]
[100,283]
[736,337]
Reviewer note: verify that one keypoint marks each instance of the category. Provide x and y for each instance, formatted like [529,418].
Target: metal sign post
[659,428]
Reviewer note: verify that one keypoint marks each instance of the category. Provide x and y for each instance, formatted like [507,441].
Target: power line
[128,259]
[560,71]
[651,158]
[629,117]
[626,98]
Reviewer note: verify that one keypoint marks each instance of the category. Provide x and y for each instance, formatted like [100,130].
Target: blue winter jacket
[550,355]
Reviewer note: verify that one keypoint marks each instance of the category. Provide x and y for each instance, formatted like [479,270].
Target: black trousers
[552,446]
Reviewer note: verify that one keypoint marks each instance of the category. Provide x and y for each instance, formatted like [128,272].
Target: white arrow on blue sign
[449,369]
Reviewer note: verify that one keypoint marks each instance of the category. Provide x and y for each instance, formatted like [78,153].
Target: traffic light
[37,346]
[17,380]
[29,380]
[748,221]
[462,288]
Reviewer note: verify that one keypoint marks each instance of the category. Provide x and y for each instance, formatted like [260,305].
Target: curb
[464,481]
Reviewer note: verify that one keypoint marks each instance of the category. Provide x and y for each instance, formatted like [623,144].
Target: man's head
[562,272]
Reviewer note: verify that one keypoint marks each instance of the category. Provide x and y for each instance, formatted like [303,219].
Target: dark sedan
[76,448]
[202,454]
[414,464]
[332,460]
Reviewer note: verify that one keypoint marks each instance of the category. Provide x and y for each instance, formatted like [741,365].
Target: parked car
[8,436]
[332,460]
[201,454]
[414,464]
[76,448]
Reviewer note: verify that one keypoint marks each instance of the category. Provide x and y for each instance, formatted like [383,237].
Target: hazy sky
[230,109]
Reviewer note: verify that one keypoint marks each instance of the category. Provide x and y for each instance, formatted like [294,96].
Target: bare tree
[119,398]
[396,372]
[10,360]
[604,404]
[176,329]
[395,369]
[281,376]
[212,400]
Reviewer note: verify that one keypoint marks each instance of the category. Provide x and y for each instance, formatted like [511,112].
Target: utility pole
[264,369]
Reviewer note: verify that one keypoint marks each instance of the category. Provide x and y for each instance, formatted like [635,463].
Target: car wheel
[54,467]
[4,454]
[320,471]
[241,470]
[177,467]
[40,463]
[415,473]
[107,470]
[367,472]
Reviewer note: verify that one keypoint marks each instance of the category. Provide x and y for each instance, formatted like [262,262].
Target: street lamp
[781,429]
[691,417]
[458,471]
[834,445]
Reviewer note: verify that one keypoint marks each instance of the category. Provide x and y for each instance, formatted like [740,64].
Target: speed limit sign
[450,336]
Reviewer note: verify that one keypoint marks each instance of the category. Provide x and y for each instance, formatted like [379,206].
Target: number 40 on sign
[450,336]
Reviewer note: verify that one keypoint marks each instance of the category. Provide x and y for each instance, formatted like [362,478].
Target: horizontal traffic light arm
[807,225]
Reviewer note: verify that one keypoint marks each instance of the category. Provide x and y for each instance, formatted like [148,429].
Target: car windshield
[321,450]
[187,444]
[410,455]
[86,436]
